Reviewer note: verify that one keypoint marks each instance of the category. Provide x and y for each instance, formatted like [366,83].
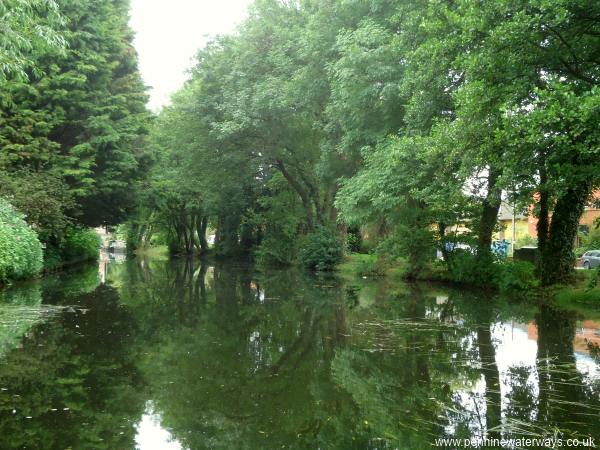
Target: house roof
[506,212]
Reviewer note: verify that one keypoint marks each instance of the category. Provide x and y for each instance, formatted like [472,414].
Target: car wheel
[586,265]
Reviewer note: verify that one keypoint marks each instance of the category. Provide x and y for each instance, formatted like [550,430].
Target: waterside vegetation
[392,128]
[72,125]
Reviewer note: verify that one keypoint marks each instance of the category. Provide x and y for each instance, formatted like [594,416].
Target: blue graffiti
[501,247]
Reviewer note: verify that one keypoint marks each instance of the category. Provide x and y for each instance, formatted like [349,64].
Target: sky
[170,32]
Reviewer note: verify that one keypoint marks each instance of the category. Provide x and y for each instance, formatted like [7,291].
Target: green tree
[82,118]
[28,27]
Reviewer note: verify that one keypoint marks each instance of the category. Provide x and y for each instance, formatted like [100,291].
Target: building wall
[588,218]
[521,229]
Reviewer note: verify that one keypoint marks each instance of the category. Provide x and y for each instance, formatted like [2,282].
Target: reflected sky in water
[151,435]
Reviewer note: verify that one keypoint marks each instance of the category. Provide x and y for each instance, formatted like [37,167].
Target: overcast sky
[169,32]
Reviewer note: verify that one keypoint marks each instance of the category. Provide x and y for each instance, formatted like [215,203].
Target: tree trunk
[202,225]
[556,363]
[443,248]
[218,231]
[557,261]
[544,214]
[304,197]
[489,214]
[491,374]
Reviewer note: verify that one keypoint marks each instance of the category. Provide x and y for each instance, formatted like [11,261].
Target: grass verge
[160,251]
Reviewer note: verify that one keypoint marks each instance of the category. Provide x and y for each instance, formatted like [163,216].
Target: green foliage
[489,272]
[362,265]
[20,249]
[591,241]
[279,218]
[526,241]
[593,283]
[76,245]
[517,275]
[403,184]
[408,118]
[320,250]
[584,299]
[475,270]
[354,240]
[28,27]
[81,244]
[43,198]
[80,120]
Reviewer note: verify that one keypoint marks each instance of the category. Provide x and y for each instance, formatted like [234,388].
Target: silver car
[591,259]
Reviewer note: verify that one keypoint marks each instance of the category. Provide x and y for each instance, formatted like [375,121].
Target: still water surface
[181,355]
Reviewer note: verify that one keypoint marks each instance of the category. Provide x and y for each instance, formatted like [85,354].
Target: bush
[527,241]
[593,283]
[362,265]
[354,240]
[468,268]
[280,217]
[518,275]
[77,245]
[415,245]
[275,252]
[320,250]
[591,241]
[487,271]
[20,248]
[80,244]
[369,267]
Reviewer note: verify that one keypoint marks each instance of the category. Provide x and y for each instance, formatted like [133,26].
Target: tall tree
[82,119]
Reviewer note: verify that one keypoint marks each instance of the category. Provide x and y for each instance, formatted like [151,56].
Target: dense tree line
[72,116]
[401,117]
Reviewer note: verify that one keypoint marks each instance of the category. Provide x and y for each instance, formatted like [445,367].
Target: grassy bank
[159,251]
[581,296]
[371,266]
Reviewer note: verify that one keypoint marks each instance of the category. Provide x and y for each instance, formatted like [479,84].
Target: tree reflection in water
[229,357]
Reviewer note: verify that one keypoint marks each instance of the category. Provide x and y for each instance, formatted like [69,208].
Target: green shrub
[527,241]
[413,244]
[20,249]
[76,245]
[488,271]
[362,265]
[354,240]
[590,241]
[470,269]
[589,299]
[517,275]
[593,283]
[320,250]
[275,252]
[81,244]
[279,220]
[369,267]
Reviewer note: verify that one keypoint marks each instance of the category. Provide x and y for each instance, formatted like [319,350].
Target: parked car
[591,259]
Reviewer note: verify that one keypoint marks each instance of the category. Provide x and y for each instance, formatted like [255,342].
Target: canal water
[156,354]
